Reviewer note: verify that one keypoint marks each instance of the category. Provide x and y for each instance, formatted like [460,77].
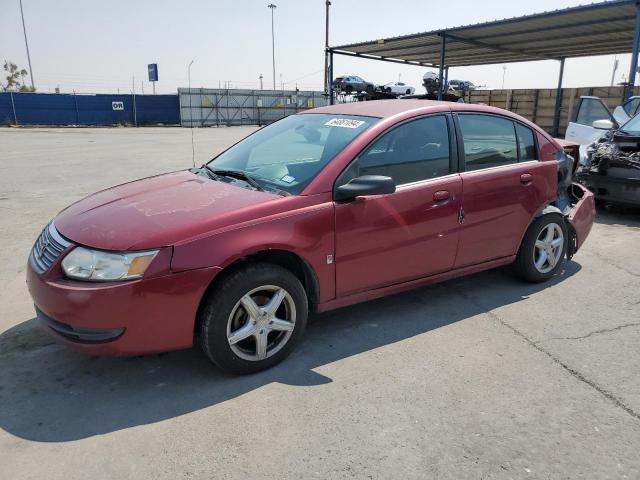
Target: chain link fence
[207,107]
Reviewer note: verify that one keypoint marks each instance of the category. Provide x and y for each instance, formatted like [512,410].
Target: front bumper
[120,318]
[624,191]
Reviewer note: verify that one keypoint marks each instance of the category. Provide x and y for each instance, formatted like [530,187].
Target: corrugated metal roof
[596,29]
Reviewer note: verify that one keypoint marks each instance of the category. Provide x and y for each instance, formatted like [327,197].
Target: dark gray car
[353,83]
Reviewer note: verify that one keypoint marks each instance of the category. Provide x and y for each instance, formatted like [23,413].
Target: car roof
[389,108]
[381,108]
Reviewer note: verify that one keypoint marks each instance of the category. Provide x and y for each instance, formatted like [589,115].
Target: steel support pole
[330,77]
[326,47]
[26,44]
[634,56]
[443,44]
[273,45]
[556,114]
[446,79]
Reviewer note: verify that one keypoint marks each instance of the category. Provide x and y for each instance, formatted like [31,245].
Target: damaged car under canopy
[610,166]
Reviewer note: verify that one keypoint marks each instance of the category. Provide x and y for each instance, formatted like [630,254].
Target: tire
[369,88]
[388,89]
[348,90]
[408,92]
[538,262]
[223,313]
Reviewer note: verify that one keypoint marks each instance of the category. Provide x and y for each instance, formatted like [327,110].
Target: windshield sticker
[288,179]
[344,123]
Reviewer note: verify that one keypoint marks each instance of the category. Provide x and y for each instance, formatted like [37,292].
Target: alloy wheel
[548,248]
[261,323]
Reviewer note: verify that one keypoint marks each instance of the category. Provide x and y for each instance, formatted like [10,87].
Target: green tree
[14,79]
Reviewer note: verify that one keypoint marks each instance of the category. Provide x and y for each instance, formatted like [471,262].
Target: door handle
[441,195]
[525,178]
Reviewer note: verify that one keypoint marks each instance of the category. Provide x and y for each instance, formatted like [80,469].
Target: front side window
[489,141]
[287,155]
[414,151]
[590,110]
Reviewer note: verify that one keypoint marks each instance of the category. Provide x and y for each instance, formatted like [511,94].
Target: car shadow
[51,394]
[618,215]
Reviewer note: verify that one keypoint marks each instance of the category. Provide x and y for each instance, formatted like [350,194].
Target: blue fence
[82,109]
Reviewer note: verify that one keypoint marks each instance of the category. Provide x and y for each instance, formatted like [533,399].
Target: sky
[105,46]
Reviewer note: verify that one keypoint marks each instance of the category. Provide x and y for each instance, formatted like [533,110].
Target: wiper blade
[239,174]
[210,171]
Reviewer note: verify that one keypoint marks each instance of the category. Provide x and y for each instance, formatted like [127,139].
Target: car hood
[158,211]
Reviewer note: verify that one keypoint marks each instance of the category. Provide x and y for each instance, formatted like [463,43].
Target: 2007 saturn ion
[319,210]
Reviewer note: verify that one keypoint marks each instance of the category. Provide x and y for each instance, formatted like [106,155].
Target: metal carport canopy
[603,28]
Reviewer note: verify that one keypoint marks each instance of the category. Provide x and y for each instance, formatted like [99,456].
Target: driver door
[581,130]
[388,239]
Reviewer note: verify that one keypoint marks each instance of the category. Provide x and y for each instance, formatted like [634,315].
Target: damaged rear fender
[580,217]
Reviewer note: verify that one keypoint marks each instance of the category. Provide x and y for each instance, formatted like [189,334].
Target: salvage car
[610,166]
[319,210]
[399,88]
[609,154]
[351,84]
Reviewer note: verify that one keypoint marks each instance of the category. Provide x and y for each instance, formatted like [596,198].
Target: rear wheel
[543,249]
[253,319]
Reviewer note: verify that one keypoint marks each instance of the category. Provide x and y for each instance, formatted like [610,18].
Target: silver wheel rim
[261,323]
[548,248]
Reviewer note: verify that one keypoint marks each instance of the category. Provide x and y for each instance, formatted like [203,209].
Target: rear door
[504,185]
[412,233]
[590,109]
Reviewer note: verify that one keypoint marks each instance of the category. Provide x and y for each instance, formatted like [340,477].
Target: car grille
[48,247]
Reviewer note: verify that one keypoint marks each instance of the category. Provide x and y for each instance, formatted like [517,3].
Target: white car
[398,88]
[592,119]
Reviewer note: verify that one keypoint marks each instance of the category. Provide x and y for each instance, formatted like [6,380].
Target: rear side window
[489,141]
[526,143]
[414,151]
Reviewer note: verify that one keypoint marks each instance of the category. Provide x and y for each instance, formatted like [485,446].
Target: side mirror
[365,185]
[603,124]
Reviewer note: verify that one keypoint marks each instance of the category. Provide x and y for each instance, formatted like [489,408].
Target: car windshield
[632,126]
[288,154]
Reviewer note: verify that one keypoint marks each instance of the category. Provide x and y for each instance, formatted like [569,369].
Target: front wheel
[543,249]
[253,319]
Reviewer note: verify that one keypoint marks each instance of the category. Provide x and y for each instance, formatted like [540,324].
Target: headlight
[95,265]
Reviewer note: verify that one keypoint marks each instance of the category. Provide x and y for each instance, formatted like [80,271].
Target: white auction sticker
[344,123]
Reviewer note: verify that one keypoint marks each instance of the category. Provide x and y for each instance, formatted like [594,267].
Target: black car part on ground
[611,168]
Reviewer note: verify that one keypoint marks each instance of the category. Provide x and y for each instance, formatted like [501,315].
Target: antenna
[193,148]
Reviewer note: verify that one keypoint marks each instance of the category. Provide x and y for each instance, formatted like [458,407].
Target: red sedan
[319,210]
